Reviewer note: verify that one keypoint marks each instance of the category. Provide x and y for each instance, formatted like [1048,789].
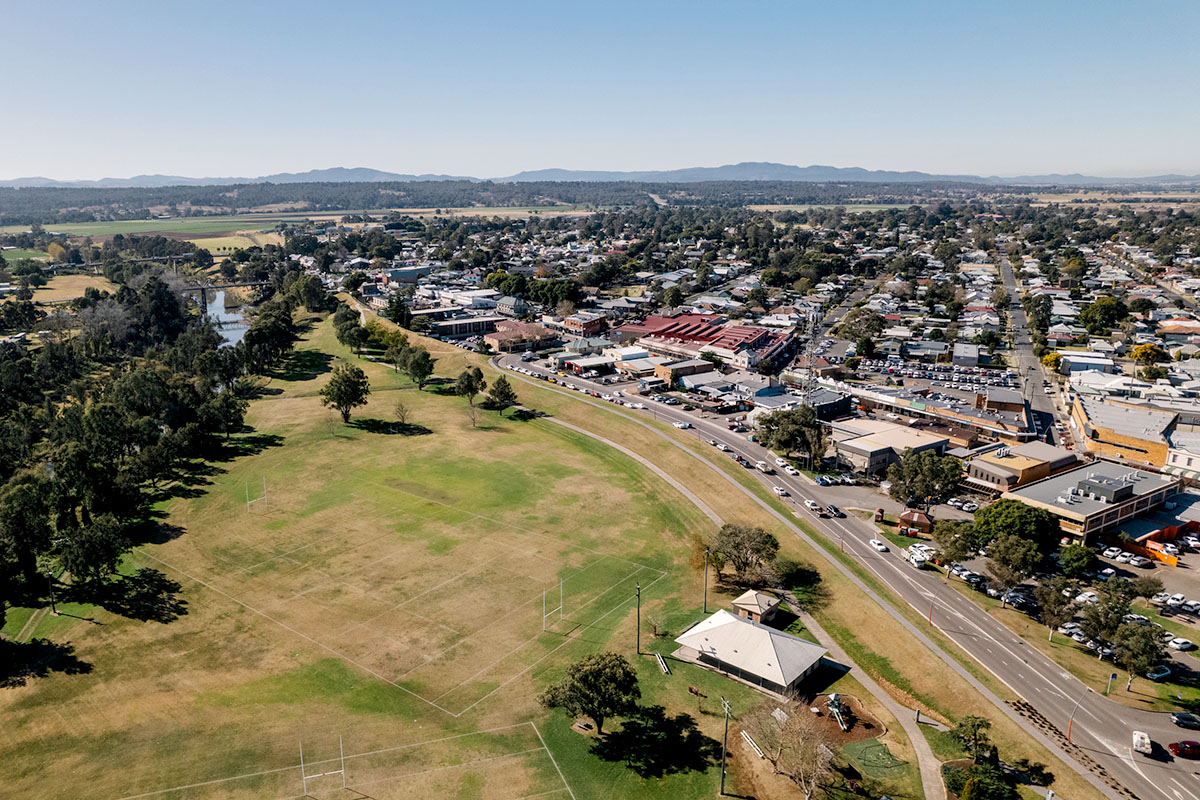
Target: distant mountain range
[746,171]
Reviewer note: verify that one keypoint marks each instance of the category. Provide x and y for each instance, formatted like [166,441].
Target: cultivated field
[387,591]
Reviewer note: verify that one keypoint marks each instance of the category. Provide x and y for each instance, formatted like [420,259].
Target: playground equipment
[838,711]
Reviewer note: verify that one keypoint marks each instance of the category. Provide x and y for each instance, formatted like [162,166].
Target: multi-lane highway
[1101,729]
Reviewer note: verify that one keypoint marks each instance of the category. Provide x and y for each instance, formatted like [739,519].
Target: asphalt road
[1101,729]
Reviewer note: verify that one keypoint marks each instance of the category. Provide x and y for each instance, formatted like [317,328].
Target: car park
[878,545]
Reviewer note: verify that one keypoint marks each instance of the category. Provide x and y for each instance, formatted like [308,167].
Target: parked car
[1176,600]
[1160,598]
[1159,673]
[970,507]
[1179,643]
[1123,557]
[1185,720]
[1141,561]
[1191,607]
[1111,552]
[878,545]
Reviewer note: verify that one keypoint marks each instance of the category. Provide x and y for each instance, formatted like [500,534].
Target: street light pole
[1071,721]
[639,619]
[724,743]
[706,580]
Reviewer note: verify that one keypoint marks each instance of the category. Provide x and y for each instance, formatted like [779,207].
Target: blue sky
[491,88]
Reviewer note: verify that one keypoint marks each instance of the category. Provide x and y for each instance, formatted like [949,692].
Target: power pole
[706,580]
[724,743]
[639,619]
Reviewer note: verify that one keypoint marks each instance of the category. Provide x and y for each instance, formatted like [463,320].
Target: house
[755,606]
[916,520]
[750,651]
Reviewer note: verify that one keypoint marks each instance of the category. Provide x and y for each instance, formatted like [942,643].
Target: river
[230,323]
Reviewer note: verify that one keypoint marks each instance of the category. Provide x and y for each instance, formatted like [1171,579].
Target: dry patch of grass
[67,287]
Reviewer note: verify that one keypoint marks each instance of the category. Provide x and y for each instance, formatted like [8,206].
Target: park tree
[501,394]
[972,732]
[1056,607]
[470,383]
[346,390]
[1102,618]
[1137,649]
[25,530]
[1076,559]
[598,686]
[418,365]
[402,413]
[92,551]
[925,476]
[746,548]
[799,747]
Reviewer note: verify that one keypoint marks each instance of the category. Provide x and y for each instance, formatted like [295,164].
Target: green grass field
[388,591]
[13,255]
[66,287]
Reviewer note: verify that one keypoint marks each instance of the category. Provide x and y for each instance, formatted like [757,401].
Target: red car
[1185,749]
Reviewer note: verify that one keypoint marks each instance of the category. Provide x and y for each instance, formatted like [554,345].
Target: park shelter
[751,651]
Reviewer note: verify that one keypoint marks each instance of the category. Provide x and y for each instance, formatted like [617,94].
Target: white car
[779,462]
[1123,557]
[1087,597]
[954,502]
[1111,552]
[969,507]
[779,490]
[878,545]
[724,448]
[790,470]
[1160,598]
[1176,600]
[812,505]
[1180,644]
[682,425]
[1170,549]
[1191,606]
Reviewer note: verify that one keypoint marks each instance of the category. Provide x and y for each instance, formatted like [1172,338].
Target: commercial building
[753,652]
[462,327]
[869,447]
[512,335]
[687,336]
[1134,433]
[671,371]
[1098,497]
[1005,468]
[585,323]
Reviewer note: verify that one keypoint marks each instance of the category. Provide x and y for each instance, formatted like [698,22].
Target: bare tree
[401,412]
[799,747]
[332,421]
[102,325]
[473,414]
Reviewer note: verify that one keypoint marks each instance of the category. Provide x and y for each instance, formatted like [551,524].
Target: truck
[1142,743]
[914,557]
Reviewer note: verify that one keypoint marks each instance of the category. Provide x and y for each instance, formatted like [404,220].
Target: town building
[1005,468]
[1097,498]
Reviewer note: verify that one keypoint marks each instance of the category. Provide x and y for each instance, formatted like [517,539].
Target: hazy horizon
[228,90]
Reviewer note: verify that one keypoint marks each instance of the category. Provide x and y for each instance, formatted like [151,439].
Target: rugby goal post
[305,776]
[546,613]
[251,501]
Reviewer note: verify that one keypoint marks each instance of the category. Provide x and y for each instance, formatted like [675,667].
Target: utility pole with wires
[724,742]
[706,580]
